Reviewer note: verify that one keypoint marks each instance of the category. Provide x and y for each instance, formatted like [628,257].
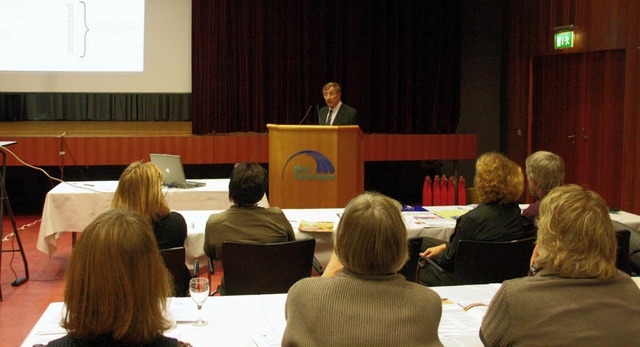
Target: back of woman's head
[498,179]
[575,234]
[140,189]
[371,238]
[116,281]
[248,183]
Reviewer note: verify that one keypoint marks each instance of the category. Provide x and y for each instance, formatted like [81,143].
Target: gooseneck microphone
[305,115]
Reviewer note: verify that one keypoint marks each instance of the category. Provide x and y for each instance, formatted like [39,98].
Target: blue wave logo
[324,166]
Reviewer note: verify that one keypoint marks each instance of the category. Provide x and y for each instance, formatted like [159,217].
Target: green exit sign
[563,40]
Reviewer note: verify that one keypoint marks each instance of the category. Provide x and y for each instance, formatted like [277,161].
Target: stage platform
[93,143]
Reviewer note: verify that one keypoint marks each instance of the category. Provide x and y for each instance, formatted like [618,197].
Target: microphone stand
[305,115]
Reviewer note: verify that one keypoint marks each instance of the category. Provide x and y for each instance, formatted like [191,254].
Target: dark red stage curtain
[259,62]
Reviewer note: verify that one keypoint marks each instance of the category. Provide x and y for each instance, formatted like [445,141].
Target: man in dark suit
[336,112]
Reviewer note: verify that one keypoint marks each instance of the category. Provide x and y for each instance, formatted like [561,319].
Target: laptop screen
[171,167]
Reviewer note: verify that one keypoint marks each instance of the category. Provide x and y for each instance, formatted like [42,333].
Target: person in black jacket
[499,182]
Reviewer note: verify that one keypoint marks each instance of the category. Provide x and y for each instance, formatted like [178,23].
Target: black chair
[479,262]
[409,269]
[256,268]
[623,263]
[174,260]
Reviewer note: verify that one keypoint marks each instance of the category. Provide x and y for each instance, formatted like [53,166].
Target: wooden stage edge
[42,143]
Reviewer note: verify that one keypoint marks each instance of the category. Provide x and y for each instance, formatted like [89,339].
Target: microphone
[305,115]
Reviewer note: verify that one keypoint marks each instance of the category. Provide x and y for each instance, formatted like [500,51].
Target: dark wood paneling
[572,93]
[602,26]
[221,149]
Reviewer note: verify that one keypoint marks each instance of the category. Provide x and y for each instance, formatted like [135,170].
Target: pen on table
[338,214]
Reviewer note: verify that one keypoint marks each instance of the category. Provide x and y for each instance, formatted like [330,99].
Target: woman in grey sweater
[576,296]
[366,303]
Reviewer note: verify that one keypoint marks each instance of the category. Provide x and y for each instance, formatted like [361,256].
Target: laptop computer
[173,172]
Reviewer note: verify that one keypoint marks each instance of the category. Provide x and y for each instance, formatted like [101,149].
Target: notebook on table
[173,172]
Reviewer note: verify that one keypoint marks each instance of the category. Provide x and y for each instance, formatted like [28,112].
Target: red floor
[22,306]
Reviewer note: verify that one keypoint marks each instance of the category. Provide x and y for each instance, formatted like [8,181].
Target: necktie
[329,117]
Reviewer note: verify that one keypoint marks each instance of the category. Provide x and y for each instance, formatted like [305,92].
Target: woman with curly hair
[499,182]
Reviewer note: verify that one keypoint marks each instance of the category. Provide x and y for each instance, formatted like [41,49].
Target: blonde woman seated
[366,303]
[116,286]
[140,189]
[576,296]
[499,182]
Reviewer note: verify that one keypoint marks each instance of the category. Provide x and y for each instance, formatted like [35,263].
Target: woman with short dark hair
[245,220]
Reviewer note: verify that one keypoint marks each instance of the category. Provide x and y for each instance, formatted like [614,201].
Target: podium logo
[324,170]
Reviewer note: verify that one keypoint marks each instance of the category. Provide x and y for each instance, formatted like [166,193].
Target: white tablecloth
[197,220]
[71,206]
[258,320]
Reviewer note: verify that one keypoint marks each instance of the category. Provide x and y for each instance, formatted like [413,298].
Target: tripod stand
[6,205]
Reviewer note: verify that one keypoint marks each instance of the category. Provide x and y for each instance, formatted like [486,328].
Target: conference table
[71,206]
[436,222]
[258,320]
[418,223]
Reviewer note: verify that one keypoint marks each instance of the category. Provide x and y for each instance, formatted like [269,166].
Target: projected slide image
[87,35]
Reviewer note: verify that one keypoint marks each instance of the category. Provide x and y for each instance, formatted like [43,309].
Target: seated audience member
[245,221]
[116,287]
[576,296]
[545,171]
[140,189]
[499,183]
[366,303]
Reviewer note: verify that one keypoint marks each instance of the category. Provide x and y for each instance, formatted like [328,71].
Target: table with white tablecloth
[418,224]
[416,227]
[258,320]
[71,206]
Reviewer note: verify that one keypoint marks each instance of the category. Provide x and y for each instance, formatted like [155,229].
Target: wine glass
[199,290]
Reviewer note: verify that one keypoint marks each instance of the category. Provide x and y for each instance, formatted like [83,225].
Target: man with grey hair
[545,171]
[336,112]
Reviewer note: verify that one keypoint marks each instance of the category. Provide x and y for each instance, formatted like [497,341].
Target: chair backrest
[480,262]
[257,268]
[409,268]
[623,263]
[174,260]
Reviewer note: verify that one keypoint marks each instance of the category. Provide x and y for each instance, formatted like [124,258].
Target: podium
[315,166]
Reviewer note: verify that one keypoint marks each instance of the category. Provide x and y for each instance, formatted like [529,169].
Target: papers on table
[464,308]
[456,321]
[431,220]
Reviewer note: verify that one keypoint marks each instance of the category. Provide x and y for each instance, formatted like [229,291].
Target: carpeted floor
[22,306]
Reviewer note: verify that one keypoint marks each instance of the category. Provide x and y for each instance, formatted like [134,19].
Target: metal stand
[6,205]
